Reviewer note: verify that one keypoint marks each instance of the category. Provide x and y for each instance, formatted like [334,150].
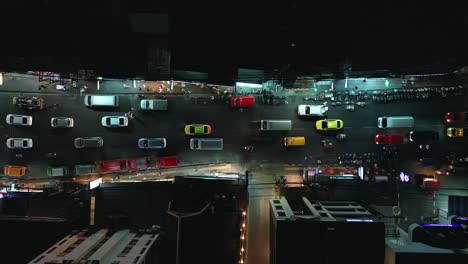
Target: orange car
[12,170]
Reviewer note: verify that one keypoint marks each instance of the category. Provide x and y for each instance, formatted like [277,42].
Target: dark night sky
[258,33]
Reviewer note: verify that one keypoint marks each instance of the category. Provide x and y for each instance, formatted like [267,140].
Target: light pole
[179,217]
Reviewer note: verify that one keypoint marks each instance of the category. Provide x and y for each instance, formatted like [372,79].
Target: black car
[31,103]
[423,137]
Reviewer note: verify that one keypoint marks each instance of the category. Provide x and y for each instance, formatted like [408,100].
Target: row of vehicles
[119,165]
[421,137]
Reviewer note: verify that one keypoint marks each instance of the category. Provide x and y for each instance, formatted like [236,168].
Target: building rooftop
[346,211]
[102,246]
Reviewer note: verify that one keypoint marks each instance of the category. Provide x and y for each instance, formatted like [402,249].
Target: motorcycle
[249,148]
[341,136]
[326,143]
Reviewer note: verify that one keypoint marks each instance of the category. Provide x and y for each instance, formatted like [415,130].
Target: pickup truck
[153,104]
[311,110]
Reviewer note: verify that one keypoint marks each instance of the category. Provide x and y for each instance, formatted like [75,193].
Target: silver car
[114,121]
[62,122]
[152,143]
[89,142]
[19,120]
[19,143]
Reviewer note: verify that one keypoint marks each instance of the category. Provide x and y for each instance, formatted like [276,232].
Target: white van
[275,125]
[101,100]
[395,121]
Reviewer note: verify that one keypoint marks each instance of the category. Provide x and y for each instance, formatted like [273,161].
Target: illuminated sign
[441,225]
[404,177]
[360,220]
[1,78]
[95,183]
[250,85]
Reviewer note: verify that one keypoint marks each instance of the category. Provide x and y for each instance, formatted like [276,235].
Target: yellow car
[12,170]
[329,124]
[197,129]
[455,132]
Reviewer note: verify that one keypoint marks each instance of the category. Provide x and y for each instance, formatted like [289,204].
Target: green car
[197,129]
[57,171]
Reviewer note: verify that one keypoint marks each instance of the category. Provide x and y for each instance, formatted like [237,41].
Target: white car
[61,122]
[114,121]
[19,143]
[19,120]
[311,110]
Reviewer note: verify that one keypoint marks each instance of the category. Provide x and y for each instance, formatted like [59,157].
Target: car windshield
[12,143]
[382,140]
[192,129]
[121,121]
[307,110]
[324,124]
[205,129]
[25,120]
[338,123]
[236,101]
[25,143]
[108,121]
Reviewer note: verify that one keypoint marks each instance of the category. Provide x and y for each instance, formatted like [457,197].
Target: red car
[138,164]
[389,139]
[242,101]
[111,165]
[166,162]
[456,117]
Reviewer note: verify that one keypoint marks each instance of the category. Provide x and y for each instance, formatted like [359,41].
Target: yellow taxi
[294,141]
[329,124]
[455,132]
[15,171]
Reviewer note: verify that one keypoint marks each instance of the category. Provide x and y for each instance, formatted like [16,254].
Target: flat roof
[346,211]
[122,246]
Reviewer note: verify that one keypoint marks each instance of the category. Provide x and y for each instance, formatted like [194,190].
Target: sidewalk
[16,82]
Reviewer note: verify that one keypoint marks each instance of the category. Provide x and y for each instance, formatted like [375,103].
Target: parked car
[114,121]
[89,142]
[389,139]
[166,162]
[423,137]
[242,101]
[456,117]
[455,131]
[57,171]
[197,129]
[329,124]
[62,122]
[152,143]
[137,164]
[19,143]
[31,103]
[19,120]
[15,171]
[111,165]
[85,169]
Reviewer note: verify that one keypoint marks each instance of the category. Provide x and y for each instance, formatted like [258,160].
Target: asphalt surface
[238,128]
